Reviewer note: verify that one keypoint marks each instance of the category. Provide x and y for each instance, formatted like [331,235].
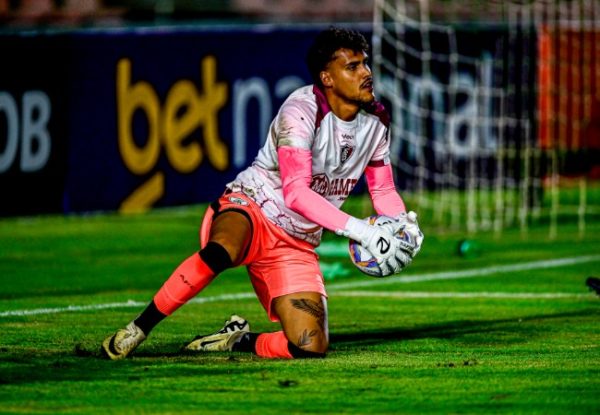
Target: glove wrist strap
[355,229]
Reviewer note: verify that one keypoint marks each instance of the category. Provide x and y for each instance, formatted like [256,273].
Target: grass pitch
[511,330]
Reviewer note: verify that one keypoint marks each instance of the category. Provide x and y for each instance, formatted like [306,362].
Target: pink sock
[188,279]
[273,345]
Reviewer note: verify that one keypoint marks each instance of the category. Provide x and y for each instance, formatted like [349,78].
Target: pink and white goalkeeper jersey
[341,151]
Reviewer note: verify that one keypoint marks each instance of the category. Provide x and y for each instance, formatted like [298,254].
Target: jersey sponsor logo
[320,184]
[337,187]
[347,151]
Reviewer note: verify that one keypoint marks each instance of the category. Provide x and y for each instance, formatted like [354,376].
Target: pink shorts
[278,263]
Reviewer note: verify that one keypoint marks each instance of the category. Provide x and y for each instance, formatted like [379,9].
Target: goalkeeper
[271,217]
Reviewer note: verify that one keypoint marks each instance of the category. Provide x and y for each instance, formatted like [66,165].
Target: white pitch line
[336,287]
[128,303]
[420,294]
[125,304]
[471,273]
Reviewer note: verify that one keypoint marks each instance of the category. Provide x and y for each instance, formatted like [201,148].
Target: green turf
[468,354]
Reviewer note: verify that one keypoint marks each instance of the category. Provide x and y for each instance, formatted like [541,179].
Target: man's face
[349,77]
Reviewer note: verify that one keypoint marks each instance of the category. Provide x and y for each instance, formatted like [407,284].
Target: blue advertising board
[33,124]
[140,117]
[174,114]
[128,119]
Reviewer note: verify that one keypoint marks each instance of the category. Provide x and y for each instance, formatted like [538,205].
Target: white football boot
[123,342]
[224,339]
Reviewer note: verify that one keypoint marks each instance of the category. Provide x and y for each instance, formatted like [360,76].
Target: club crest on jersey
[347,151]
[238,201]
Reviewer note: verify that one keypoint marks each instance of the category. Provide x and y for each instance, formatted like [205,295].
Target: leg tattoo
[305,338]
[316,310]
[311,307]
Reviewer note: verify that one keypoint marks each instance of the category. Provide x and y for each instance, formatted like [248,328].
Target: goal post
[480,124]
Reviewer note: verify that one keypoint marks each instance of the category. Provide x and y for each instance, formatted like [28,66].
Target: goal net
[493,107]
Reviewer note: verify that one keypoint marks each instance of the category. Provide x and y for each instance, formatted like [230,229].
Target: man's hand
[408,224]
[381,241]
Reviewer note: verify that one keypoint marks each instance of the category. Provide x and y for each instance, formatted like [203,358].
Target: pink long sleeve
[295,166]
[385,197]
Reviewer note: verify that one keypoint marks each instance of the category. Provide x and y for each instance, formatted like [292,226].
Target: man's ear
[326,78]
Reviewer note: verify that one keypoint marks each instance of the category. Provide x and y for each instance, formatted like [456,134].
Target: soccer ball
[361,258]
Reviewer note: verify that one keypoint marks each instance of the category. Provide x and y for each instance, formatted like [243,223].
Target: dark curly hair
[327,43]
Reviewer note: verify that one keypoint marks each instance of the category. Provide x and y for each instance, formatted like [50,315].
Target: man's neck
[342,109]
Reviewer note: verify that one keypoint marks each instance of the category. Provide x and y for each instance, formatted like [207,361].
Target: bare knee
[303,317]
[315,348]
[308,343]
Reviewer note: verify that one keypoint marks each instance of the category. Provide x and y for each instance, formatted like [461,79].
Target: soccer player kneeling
[271,217]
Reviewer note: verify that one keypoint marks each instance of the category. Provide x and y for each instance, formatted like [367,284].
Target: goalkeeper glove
[411,227]
[381,242]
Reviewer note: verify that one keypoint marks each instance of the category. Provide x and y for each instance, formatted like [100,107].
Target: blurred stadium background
[144,106]
[129,105]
